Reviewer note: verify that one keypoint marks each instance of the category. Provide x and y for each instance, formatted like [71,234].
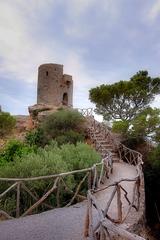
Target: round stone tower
[54,89]
[49,81]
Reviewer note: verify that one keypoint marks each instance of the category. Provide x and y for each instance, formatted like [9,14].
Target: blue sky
[97,42]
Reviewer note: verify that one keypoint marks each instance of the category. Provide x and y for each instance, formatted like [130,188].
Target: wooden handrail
[105,225]
[58,179]
[132,157]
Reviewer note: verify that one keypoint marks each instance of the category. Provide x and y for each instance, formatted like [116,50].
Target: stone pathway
[65,223]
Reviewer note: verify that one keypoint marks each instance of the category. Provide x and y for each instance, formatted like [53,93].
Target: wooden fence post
[18,200]
[119,203]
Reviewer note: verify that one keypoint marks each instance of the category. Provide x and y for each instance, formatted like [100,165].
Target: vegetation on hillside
[145,125]
[47,161]
[7,123]
[64,126]
[56,146]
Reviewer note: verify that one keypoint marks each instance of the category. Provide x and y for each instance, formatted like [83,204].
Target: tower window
[65,99]
[46,73]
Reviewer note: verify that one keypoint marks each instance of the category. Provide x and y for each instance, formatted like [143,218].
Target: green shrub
[36,137]
[14,149]
[71,137]
[120,126]
[7,123]
[64,126]
[50,160]
[63,121]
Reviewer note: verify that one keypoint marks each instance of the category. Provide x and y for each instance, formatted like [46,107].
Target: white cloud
[20,52]
[77,10]
[154,11]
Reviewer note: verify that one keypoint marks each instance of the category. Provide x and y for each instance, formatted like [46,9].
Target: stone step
[104,141]
[116,159]
[108,150]
[106,144]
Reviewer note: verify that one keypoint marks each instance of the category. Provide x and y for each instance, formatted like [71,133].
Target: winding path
[66,223]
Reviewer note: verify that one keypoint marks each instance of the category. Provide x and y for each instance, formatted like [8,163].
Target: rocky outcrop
[39,111]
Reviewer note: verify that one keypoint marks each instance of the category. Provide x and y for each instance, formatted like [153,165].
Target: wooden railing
[106,222]
[92,176]
[105,228]
[130,156]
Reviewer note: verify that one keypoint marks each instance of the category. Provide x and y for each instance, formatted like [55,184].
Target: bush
[64,126]
[71,137]
[36,137]
[63,121]
[50,160]
[120,127]
[7,123]
[14,149]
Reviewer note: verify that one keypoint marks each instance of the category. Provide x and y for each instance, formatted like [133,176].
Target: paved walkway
[65,223]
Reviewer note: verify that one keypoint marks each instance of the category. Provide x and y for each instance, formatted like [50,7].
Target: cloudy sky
[97,42]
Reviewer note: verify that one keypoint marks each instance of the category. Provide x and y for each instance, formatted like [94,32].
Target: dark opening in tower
[65,99]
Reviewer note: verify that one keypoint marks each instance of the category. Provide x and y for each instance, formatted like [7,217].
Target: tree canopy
[145,125]
[125,99]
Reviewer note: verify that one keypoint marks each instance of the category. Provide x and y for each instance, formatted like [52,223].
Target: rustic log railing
[93,176]
[105,228]
[106,222]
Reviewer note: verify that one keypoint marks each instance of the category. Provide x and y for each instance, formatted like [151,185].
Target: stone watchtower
[54,87]
[54,90]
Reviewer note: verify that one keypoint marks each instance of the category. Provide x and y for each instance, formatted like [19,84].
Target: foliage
[152,186]
[120,127]
[154,158]
[145,125]
[64,126]
[36,137]
[7,123]
[125,99]
[61,121]
[50,160]
[71,137]
[12,150]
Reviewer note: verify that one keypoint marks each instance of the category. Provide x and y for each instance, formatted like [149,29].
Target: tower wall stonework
[54,87]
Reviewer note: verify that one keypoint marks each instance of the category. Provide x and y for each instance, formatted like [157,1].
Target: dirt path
[65,223]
